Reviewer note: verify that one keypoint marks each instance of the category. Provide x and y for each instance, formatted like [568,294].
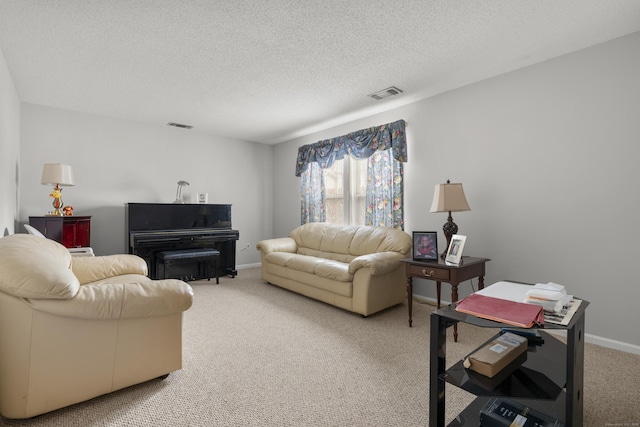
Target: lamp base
[57,200]
[449,228]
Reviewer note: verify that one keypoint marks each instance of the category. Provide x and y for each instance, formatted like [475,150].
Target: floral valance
[360,144]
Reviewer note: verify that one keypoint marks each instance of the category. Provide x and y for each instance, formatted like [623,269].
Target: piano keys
[156,227]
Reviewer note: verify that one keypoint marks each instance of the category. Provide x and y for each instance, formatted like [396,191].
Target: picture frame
[203,198]
[454,252]
[425,246]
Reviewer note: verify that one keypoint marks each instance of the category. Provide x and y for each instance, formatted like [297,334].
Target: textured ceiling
[271,70]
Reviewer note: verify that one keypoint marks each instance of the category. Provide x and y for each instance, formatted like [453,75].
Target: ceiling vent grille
[179,125]
[385,93]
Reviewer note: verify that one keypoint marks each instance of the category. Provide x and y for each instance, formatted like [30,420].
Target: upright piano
[156,227]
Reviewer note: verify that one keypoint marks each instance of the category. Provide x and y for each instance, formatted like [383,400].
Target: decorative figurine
[57,200]
[68,210]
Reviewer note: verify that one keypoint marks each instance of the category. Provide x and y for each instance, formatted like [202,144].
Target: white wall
[116,161]
[548,156]
[9,150]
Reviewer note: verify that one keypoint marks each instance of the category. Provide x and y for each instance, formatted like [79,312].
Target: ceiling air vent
[178,125]
[385,93]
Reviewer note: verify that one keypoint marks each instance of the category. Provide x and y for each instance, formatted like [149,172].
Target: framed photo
[425,246]
[203,198]
[454,252]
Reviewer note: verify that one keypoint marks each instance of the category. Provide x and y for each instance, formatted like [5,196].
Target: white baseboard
[243,266]
[593,339]
[613,344]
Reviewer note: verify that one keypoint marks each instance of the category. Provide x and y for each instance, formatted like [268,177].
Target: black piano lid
[174,216]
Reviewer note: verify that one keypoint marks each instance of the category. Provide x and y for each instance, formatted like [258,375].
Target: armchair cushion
[27,272]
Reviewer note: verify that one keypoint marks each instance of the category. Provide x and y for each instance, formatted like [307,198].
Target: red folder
[502,310]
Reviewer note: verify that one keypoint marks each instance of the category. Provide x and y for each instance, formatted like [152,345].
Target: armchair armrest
[91,269]
[281,244]
[129,300]
[379,263]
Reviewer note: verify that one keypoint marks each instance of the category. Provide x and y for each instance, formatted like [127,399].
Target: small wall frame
[425,246]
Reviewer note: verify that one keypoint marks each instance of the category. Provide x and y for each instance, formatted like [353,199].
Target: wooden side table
[441,272]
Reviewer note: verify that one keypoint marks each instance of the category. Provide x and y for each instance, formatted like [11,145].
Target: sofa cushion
[279,258]
[346,258]
[297,280]
[345,242]
[304,263]
[369,240]
[33,267]
[334,270]
[329,269]
[328,238]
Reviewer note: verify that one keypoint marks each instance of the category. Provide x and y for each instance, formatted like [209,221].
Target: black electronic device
[501,412]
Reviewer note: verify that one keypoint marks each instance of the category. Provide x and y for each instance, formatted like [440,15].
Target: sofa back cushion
[35,267]
[346,242]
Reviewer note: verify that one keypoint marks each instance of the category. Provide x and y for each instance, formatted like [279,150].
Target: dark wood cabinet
[70,231]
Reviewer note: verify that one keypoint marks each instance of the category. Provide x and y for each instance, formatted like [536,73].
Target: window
[355,178]
[346,186]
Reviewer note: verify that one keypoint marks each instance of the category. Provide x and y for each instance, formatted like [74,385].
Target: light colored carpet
[258,355]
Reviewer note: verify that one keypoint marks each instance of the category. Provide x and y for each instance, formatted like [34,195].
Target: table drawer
[427,272]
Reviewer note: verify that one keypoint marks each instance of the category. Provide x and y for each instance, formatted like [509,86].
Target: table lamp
[449,197]
[179,191]
[58,175]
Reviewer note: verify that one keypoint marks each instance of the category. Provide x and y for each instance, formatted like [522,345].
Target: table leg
[454,298]
[480,282]
[438,289]
[575,373]
[410,298]
[437,368]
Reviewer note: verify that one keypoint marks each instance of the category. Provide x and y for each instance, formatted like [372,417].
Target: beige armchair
[73,328]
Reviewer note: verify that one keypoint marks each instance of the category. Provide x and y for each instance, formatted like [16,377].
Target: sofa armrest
[91,269]
[379,263]
[128,299]
[282,244]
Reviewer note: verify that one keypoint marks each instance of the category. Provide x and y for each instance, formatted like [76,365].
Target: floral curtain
[384,200]
[312,206]
[385,196]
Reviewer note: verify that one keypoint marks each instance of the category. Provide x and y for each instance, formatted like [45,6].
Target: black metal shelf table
[551,379]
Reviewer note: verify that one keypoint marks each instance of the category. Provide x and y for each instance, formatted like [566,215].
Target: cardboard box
[493,357]
[494,382]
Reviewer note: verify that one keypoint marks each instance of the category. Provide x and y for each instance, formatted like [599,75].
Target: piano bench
[166,259]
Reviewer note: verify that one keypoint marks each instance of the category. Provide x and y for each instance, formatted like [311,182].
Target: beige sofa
[356,268]
[75,328]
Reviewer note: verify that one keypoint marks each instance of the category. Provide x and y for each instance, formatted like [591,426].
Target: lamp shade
[57,174]
[449,197]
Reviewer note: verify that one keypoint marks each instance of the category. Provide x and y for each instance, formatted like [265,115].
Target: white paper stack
[551,296]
